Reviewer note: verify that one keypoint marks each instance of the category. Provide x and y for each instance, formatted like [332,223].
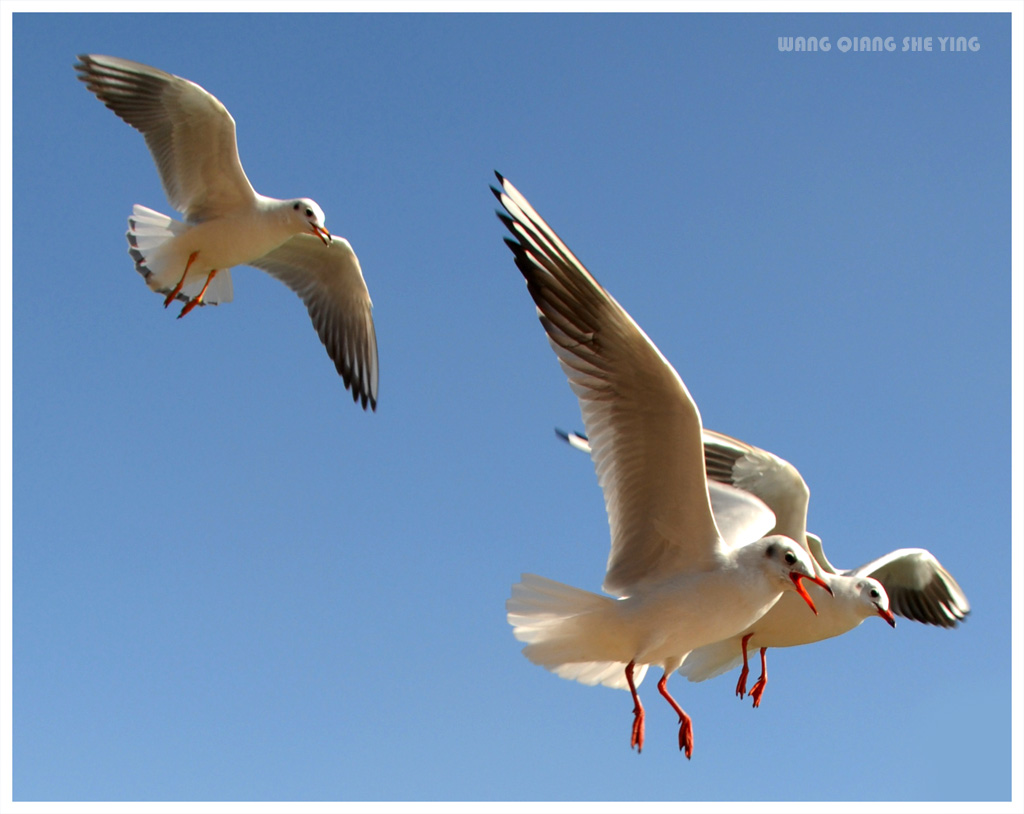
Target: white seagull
[909,581]
[679,584]
[191,136]
[912,580]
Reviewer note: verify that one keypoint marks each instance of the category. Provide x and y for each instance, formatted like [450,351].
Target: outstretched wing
[330,283]
[643,426]
[919,587]
[189,132]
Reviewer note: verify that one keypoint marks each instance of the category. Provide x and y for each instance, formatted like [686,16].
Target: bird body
[582,635]
[234,238]
[784,625]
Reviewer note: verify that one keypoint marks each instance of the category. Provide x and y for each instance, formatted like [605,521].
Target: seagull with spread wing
[676,583]
[191,137]
[909,581]
[912,581]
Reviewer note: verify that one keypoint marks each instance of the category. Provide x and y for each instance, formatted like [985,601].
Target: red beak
[887,615]
[803,591]
[321,233]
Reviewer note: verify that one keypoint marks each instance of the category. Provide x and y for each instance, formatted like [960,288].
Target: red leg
[741,685]
[685,724]
[177,289]
[758,689]
[198,300]
[637,737]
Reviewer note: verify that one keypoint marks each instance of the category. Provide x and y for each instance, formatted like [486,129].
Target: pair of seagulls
[709,541]
[709,546]
[910,581]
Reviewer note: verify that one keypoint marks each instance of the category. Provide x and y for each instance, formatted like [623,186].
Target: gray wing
[189,132]
[919,587]
[329,281]
[643,426]
[752,469]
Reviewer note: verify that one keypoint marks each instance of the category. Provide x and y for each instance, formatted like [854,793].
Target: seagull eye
[874,594]
[790,557]
[309,213]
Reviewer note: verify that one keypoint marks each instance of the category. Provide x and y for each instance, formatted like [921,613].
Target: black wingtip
[362,398]
[504,218]
[573,439]
[499,176]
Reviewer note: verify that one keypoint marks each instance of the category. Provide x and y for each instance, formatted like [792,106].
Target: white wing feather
[331,284]
[643,426]
[189,132]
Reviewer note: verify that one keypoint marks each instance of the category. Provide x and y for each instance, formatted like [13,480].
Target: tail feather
[609,673]
[161,264]
[564,627]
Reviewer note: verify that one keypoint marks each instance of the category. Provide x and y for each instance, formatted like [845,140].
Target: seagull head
[313,218]
[875,599]
[792,563]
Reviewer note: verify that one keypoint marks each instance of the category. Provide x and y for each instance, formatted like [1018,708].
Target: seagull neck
[273,205]
[279,222]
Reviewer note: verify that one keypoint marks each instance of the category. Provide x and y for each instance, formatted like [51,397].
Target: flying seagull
[227,223]
[909,581]
[676,583]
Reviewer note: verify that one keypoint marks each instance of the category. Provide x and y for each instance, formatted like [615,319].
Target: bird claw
[757,691]
[741,685]
[198,299]
[686,736]
[762,680]
[177,289]
[685,724]
[189,306]
[636,739]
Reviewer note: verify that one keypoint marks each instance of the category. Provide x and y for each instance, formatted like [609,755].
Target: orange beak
[887,615]
[803,591]
[321,233]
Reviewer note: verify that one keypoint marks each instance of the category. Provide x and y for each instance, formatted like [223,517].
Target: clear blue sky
[232,584]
